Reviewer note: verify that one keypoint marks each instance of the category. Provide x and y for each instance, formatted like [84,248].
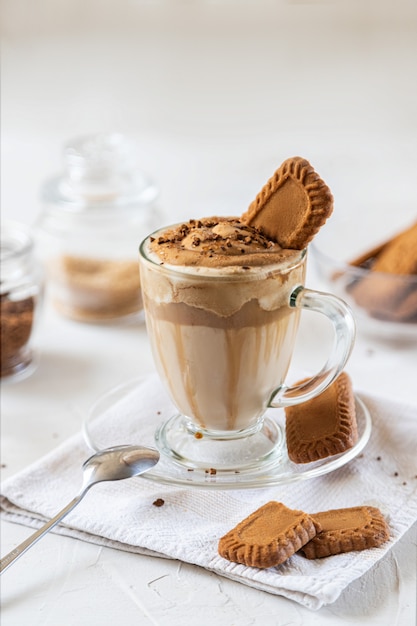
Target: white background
[217,94]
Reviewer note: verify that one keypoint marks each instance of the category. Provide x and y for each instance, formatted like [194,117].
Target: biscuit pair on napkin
[273,533]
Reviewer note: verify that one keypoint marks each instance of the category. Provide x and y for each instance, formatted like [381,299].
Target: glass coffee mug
[222,341]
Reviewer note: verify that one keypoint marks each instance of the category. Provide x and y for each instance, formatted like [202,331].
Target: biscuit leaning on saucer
[323,426]
[292,205]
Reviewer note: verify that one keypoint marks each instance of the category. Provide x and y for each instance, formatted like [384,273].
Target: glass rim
[220,273]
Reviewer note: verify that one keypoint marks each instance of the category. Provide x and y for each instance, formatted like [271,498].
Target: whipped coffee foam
[216,242]
[219,265]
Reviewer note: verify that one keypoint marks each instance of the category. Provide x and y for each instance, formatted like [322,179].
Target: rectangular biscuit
[346,530]
[323,426]
[390,297]
[388,290]
[268,537]
[397,255]
[400,255]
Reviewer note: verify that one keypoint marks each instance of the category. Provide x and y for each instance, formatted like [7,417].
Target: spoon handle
[25,545]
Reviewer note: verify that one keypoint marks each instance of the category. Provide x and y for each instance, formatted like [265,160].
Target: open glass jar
[21,290]
[93,216]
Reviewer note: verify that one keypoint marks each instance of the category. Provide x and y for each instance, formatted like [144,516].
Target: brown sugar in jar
[93,217]
[93,289]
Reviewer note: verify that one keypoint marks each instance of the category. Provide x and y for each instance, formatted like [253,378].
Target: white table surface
[217,99]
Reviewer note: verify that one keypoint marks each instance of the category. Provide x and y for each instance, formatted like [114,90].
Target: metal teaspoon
[114,463]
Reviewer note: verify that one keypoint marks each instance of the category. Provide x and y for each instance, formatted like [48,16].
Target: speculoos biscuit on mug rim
[292,206]
[268,537]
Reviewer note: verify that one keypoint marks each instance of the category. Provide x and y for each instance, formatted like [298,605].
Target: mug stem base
[194,450]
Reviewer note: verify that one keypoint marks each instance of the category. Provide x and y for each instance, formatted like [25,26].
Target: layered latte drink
[222,298]
[217,301]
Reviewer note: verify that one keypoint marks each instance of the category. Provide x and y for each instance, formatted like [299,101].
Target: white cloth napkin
[191,521]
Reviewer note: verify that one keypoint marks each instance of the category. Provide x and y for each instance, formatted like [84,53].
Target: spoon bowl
[117,463]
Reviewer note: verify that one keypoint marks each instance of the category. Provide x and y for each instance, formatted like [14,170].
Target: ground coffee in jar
[20,297]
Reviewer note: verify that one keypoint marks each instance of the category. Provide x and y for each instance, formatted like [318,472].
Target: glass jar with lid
[93,217]
[21,291]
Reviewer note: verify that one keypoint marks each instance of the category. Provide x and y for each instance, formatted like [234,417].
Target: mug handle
[344,336]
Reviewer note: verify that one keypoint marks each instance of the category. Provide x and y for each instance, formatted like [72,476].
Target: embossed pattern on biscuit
[292,205]
[268,537]
[323,426]
[347,530]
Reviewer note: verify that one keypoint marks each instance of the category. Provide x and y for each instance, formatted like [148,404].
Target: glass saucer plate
[168,472]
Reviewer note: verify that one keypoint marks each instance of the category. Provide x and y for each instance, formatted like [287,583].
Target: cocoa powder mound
[15,330]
